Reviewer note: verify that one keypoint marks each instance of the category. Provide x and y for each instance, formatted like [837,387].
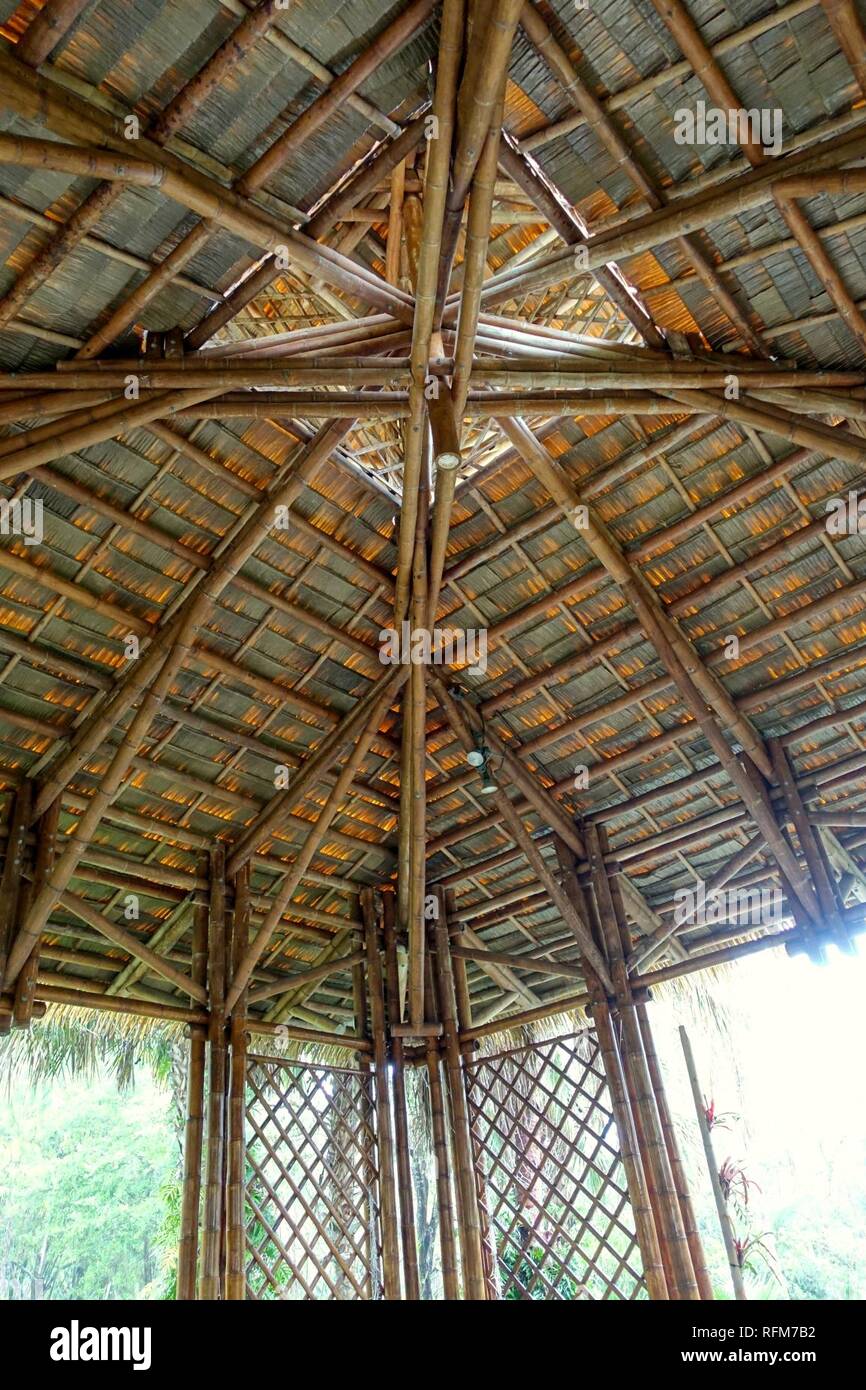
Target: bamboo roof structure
[317,321]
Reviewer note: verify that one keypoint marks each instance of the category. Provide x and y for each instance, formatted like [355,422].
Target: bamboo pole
[436,184]
[439,1130]
[46,842]
[385,1130]
[11,887]
[480,89]
[417,694]
[676,1256]
[316,834]
[630,1154]
[713,1169]
[162,660]
[512,819]
[389,160]
[408,1241]
[469,1231]
[48,28]
[397,33]
[235,1280]
[208,200]
[133,946]
[681,1182]
[211,1277]
[187,1264]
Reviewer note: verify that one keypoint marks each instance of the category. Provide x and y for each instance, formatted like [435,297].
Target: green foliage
[84,1175]
[527,1262]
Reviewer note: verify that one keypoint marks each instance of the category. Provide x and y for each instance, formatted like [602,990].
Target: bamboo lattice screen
[312,1213]
[550,1176]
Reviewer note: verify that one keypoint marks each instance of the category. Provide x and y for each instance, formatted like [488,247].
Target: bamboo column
[681,1182]
[676,1256]
[13,902]
[385,1129]
[416,696]
[401,1116]
[187,1264]
[469,1230]
[439,1130]
[713,1168]
[638,1191]
[236,1168]
[210,1283]
[46,843]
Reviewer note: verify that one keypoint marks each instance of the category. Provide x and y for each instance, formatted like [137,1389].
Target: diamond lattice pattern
[550,1175]
[312,1219]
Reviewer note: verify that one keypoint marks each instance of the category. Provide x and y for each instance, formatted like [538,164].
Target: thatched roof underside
[731,541]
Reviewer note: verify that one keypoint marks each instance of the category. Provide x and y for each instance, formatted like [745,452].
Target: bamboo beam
[11,881]
[550,203]
[850,35]
[529,849]
[46,843]
[133,946]
[96,204]
[310,774]
[392,38]
[480,90]
[519,962]
[163,659]
[704,696]
[317,833]
[48,28]
[415,709]
[306,977]
[606,132]
[475,253]
[388,160]
[208,200]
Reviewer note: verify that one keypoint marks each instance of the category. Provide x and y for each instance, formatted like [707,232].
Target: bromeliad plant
[714,1119]
[753,1252]
[735,1183]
